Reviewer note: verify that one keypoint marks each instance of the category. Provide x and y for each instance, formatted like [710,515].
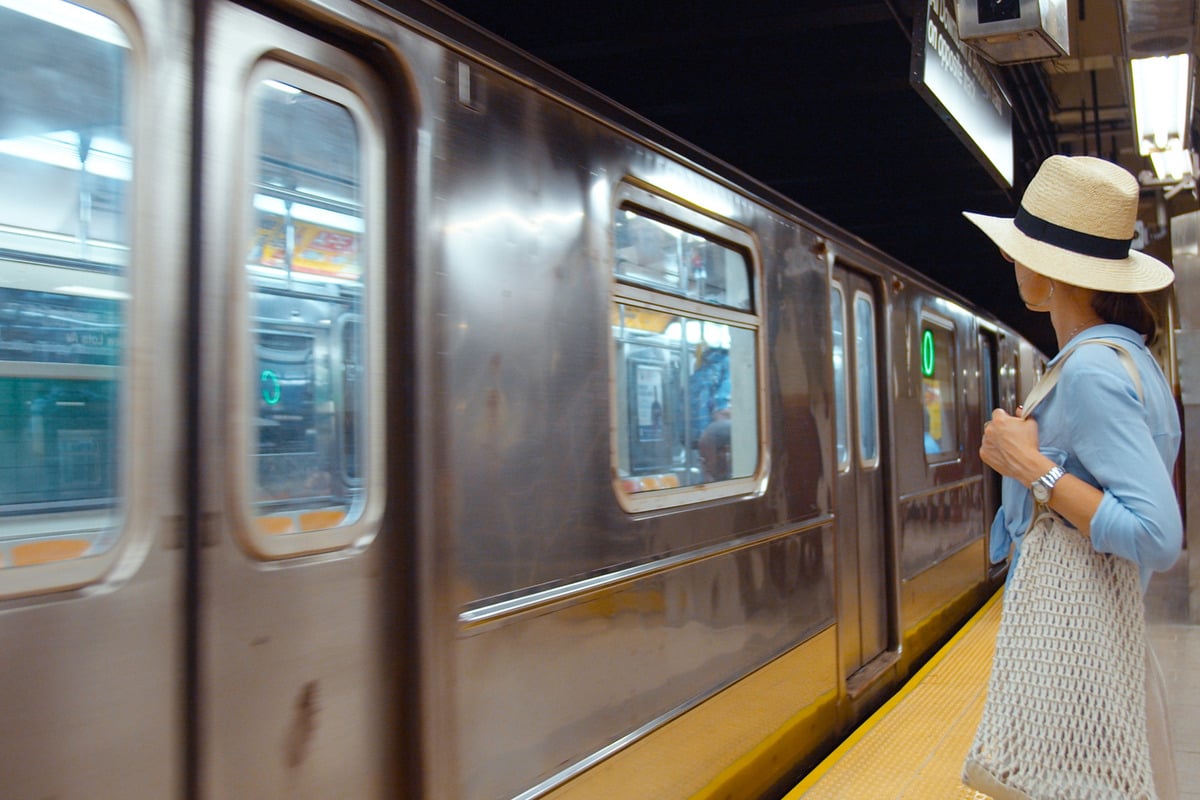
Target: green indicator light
[927,354]
[270,386]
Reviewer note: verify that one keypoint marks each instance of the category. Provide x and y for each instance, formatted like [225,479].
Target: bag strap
[1051,376]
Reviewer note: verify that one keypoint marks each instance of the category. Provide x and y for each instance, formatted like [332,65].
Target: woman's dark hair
[1131,310]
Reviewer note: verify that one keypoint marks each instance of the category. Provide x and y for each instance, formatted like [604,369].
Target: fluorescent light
[93,291]
[71,17]
[307,213]
[327,218]
[1160,101]
[106,157]
[280,86]
[1172,163]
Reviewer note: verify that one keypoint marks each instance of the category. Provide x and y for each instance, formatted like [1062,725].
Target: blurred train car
[383,414]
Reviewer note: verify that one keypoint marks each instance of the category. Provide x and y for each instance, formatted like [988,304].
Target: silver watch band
[1047,481]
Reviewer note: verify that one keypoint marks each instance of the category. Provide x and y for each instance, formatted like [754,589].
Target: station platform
[913,747]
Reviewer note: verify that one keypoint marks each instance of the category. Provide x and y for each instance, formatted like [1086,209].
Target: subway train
[384,414]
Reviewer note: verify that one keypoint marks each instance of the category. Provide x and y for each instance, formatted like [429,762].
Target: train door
[93,161]
[861,513]
[989,394]
[290,646]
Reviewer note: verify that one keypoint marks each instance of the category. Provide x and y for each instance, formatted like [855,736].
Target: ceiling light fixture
[1161,107]
[1176,164]
[71,17]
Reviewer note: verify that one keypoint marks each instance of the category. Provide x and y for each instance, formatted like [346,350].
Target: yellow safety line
[833,758]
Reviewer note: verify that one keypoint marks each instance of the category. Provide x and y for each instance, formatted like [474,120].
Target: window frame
[865,463]
[344,82]
[841,410]
[655,205]
[130,537]
[928,319]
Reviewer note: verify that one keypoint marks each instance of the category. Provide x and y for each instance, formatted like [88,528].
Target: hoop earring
[1031,305]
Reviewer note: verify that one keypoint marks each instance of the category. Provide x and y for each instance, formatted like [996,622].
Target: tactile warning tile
[913,747]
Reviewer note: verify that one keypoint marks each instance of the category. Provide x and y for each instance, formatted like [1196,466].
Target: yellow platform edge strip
[881,713]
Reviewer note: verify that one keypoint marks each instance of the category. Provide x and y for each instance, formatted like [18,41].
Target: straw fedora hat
[1075,224]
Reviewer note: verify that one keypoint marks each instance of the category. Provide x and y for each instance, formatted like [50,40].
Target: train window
[939,389]
[64,258]
[989,370]
[685,357]
[672,259]
[840,378]
[308,279]
[866,369]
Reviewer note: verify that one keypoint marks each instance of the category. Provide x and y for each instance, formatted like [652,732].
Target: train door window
[685,351]
[66,162]
[988,368]
[840,378]
[309,276]
[939,387]
[867,390]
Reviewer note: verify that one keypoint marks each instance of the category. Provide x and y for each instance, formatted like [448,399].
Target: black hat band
[1075,241]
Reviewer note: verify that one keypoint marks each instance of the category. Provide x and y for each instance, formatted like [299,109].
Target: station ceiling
[814,98]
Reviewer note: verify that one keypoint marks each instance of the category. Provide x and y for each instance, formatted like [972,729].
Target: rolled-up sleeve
[1138,517]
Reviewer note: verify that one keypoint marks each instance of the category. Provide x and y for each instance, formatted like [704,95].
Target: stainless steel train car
[384,415]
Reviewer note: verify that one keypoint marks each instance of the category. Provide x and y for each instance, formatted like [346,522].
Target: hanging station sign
[961,88]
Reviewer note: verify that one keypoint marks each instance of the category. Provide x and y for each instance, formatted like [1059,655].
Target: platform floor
[913,747]
[1175,636]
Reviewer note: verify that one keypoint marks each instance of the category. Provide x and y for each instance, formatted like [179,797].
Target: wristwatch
[1042,487]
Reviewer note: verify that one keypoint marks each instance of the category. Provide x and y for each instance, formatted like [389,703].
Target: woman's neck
[1073,320]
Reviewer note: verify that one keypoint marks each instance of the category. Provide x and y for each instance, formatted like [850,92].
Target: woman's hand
[1010,446]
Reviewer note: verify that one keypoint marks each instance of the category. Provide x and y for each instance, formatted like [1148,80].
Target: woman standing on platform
[1098,450]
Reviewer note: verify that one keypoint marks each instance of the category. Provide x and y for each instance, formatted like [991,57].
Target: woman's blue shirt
[1094,426]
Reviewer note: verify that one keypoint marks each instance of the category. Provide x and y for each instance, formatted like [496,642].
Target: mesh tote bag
[1065,713]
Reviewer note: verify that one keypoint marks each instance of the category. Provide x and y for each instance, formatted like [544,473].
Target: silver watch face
[1040,492]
